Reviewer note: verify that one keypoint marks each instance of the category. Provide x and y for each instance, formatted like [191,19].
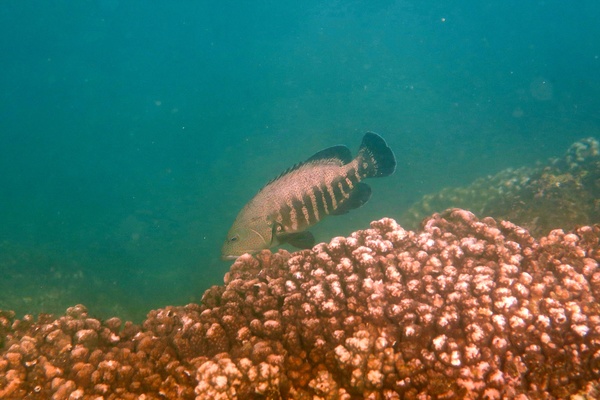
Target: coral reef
[529,196]
[465,308]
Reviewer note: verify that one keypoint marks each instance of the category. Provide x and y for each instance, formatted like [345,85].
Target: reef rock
[465,308]
[529,196]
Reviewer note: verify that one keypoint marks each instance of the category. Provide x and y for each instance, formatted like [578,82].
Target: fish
[328,183]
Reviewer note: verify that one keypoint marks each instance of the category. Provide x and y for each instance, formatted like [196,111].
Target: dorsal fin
[339,152]
[336,155]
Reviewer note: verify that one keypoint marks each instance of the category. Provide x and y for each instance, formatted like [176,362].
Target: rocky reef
[463,308]
[529,196]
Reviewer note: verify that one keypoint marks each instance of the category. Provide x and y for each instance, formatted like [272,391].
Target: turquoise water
[131,133]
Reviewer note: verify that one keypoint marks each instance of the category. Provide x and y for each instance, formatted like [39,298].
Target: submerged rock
[564,193]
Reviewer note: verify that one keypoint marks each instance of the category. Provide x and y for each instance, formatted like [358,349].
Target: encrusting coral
[466,308]
[529,196]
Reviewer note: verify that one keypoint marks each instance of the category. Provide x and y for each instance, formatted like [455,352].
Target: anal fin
[359,196]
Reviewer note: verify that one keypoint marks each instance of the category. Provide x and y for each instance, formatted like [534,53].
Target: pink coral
[466,308]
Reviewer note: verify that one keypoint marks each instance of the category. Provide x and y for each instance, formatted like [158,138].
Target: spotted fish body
[328,183]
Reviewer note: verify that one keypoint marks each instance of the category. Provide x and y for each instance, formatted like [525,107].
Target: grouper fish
[328,183]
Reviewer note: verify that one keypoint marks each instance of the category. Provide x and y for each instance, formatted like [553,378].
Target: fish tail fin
[375,158]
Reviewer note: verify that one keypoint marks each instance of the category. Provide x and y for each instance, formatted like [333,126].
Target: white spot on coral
[581,330]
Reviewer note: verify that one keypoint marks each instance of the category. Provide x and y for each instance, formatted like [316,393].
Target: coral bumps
[466,308]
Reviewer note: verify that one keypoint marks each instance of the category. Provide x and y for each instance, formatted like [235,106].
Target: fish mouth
[226,257]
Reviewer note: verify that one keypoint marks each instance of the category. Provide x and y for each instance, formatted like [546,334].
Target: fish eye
[234,238]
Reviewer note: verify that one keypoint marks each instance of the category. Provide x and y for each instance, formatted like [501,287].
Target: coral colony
[466,308]
[529,196]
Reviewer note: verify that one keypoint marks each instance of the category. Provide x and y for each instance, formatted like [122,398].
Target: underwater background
[132,133]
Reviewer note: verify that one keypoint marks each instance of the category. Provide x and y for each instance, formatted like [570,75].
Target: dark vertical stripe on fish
[320,200]
[302,221]
[345,186]
[327,193]
[354,176]
[337,191]
[285,212]
[310,209]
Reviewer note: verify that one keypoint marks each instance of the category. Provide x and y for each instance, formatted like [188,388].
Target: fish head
[247,237]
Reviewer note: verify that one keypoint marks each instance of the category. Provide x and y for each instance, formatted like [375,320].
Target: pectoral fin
[301,240]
